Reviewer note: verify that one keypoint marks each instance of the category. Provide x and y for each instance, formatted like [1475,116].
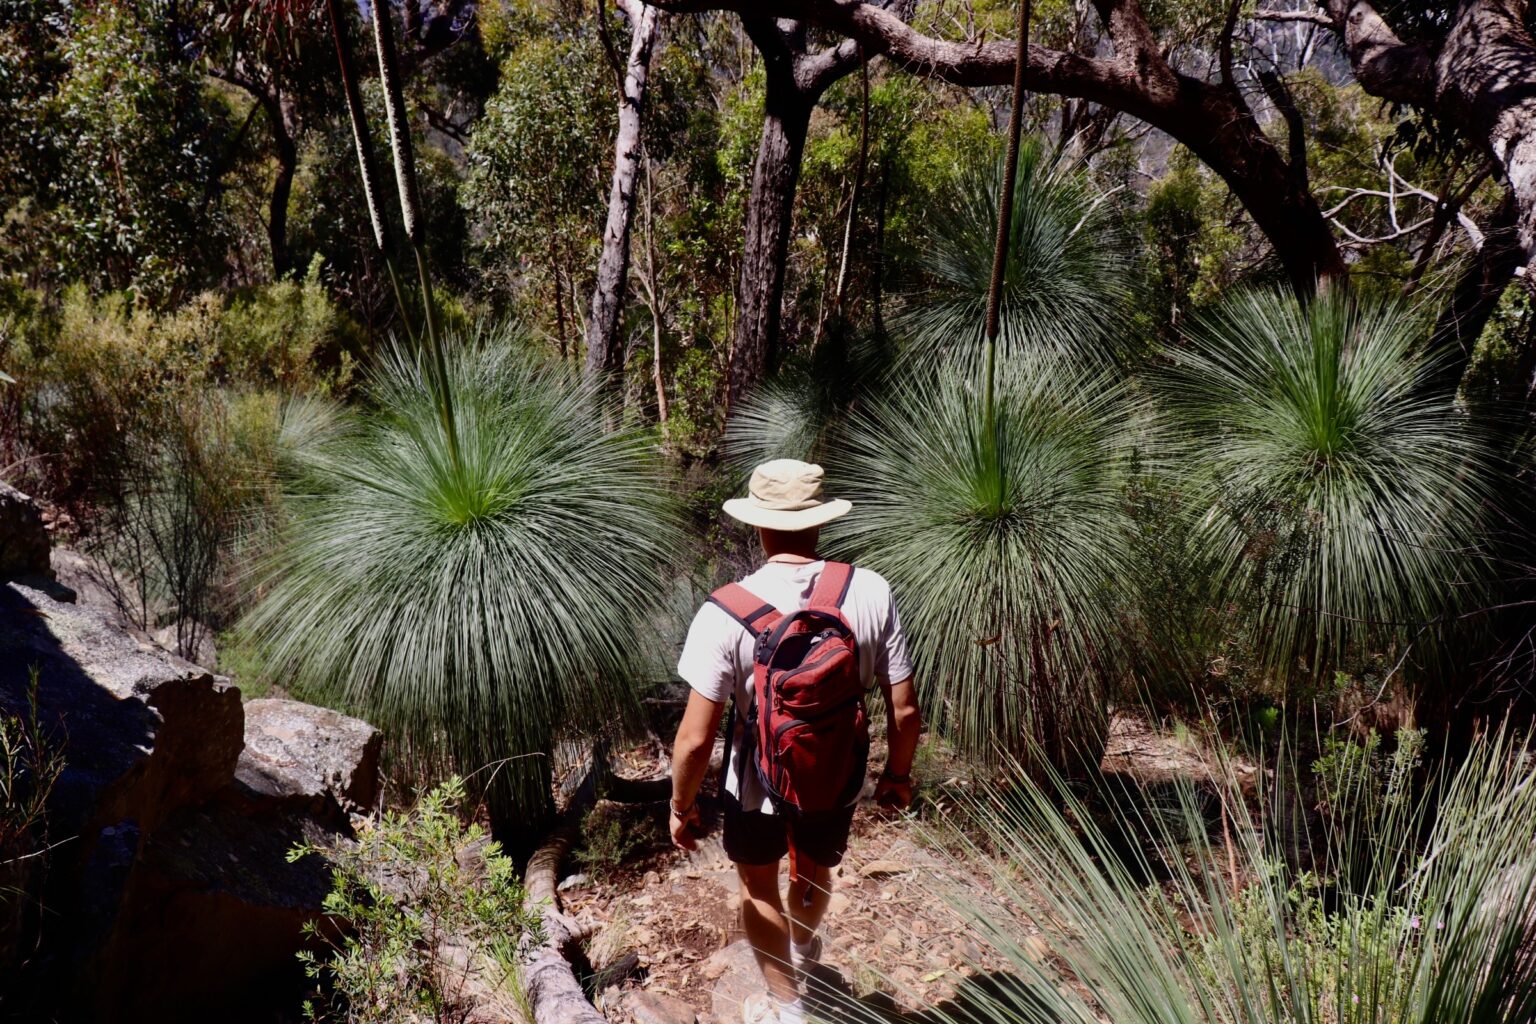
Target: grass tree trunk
[605,349]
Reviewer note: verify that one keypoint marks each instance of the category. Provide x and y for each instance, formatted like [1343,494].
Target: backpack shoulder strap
[754,614]
[832,586]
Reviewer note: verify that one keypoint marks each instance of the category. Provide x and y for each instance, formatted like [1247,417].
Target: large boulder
[96,587]
[23,539]
[168,889]
[297,750]
[170,892]
[144,732]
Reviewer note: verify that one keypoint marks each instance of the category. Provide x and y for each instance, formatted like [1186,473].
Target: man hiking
[793,648]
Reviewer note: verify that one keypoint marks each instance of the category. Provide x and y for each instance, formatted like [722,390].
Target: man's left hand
[687,827]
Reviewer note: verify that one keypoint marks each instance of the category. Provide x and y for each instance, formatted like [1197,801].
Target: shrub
[424,903]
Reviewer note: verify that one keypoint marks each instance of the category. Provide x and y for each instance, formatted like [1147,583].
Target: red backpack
[807,733]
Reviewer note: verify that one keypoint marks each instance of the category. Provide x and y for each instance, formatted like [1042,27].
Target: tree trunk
[1486,83]
[1477,293]
[1133,75]
[1271,189]
[605,352]
[765,249]
[279,114]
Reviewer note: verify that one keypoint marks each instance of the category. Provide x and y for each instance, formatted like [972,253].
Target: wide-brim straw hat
[785,494]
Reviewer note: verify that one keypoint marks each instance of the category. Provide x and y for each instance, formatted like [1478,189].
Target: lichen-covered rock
[23,539]
[298,750]
[145,732]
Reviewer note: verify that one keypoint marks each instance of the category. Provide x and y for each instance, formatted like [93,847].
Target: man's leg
[762,918]
[808,898]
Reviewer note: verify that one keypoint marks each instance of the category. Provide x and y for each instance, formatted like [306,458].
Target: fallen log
[554,994]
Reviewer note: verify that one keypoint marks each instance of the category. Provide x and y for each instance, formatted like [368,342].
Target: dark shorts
[752,837]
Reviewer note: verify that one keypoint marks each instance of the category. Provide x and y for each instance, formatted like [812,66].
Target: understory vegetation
[1225,898]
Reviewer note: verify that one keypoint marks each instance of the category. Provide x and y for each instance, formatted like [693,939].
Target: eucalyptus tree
[1126,68]
[605,352]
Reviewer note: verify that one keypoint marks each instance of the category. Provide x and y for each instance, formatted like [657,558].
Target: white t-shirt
[717,656]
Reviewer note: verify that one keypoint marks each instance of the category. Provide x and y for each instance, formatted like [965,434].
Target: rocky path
[891,939]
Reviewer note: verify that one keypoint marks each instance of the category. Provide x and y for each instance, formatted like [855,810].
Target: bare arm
[904,725]
[690,760]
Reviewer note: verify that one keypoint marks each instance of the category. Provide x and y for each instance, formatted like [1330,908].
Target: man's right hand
[893,794]
[686,827]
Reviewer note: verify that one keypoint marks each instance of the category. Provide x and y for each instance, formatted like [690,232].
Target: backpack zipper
[786,726]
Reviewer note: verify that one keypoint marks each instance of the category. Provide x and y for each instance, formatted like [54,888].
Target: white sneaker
[761,1008]
[808,956]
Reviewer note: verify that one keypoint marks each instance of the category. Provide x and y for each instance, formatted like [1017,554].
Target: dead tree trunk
[796,80]
[605,349]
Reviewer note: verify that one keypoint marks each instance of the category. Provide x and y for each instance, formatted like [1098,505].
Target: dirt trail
[891,937]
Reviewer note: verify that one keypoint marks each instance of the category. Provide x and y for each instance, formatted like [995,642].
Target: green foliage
[612,834]
[1006,551]
[1412,910]
[1194,250]
[477,611]
[108,151]
[31,761]
[100,376]
[413,882]
[1336,484]
[537,163]
[1067,280]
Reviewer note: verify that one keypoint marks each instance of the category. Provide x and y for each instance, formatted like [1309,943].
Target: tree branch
[1385,65]
[1311,17]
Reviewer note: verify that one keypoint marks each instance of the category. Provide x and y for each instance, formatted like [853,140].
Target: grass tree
[1407,904]
[477,603]
[1003,546]
[1066,280]
[1339,490]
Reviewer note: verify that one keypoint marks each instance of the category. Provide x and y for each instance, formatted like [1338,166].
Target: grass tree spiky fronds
[796,413]
[1003,549]
[478,607]
[1067,278]
[1415,909]
[1342,492]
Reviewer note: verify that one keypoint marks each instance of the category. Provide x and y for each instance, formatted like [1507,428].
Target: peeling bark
[605,350]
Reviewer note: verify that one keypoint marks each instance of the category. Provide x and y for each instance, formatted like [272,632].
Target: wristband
[672,804]
[900,780]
